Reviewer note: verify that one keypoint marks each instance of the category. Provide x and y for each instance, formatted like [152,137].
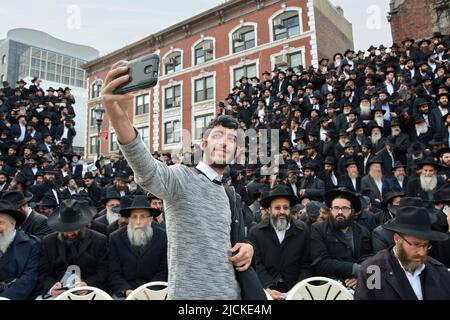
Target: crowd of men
[363,167]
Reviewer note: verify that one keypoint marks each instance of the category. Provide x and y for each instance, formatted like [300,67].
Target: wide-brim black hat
[391,195]
[429,162]
[6,208]
[140,202]
[350,196]
[71,215]
[278,192]
[17,198]
[440,152]
[416,222]
[111,194]
[48,201]
[410,40]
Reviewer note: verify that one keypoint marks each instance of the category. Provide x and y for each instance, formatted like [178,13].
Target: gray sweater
[198,224]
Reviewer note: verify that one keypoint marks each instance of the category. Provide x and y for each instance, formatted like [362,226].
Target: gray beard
[279,224]
[408,265]
[6,239]
[353,175]
[376,176]
[139,237]
[428,183]
[375,139]
[365,110]
[400,178]
[380,121]
[422,130]
[111,216]
[395,133]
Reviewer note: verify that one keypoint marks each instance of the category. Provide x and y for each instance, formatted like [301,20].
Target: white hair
[6,238]
[139,236]
[111,216]
[428,183]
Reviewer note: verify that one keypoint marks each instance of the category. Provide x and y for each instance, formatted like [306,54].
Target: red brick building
[418,19]
[203,57]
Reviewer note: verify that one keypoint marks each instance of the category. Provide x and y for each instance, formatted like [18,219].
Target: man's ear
[203,144]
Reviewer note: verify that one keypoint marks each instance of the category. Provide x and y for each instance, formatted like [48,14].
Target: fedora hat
[416,222]
[412,202]
[17,198]
[6,208]
[398,164]
[109,195]
[89,175]
[71,215]
[122,176]
[329,160]
[429,161]
[48,200]
[278,192]
[125,202]
[140,202]
[391,195]
[442,195]
[343,193]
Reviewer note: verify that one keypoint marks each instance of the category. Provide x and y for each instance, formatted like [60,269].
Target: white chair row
[319,288]
[156,290]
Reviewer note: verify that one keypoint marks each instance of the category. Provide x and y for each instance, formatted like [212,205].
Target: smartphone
[143,73]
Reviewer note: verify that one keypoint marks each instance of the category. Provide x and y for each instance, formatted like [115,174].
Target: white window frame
[95,147]
[236,28]
[281,11]
[96,83]
[140,94]
[200,76]
[241,65]
[111,141]
[288,51]
[200,114]
[163,137]
[164,58]
[202,39]
[169,86]
[139,128]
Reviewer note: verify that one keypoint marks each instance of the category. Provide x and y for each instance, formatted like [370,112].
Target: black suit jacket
[36,225]
[92,260]
[281,266]
[394,284]
[131,267]
[345,181]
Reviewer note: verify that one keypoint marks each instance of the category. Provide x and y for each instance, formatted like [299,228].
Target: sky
[108,25]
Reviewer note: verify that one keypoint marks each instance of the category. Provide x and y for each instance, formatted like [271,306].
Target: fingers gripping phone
[143,73]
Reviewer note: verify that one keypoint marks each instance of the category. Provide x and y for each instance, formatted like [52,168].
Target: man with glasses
[339,244]
[281,245]
[405,271]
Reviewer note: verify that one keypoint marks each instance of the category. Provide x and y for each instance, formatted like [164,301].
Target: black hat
[329,160]
[17,198]
[429,161]
[378,108]
[48,200]
[67,89]
[140,202]
[111,194]
[122,176]
[350,196]
[445,94]
[324,59]
[396,46]
[437,34]
[382,47]
[71,215]
[349,162]
[21,81]
[419,44]
[416,148]
[440,152]
[313,208]
[438,138]
[125,202]
[348,51]
[408,39]
[442,195]
[391,195]
[311,165]
[398,164]
[293,169]
[89,175]
[50,170]
[21,178]
[371,48]
[373,160]
[6,208]
[278,192]
[349,144]
[416,222]
[51,89]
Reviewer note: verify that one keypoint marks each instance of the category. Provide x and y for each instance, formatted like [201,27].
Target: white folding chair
[93,294]
[145,292]
[325,289]
[3,298]
[269,297]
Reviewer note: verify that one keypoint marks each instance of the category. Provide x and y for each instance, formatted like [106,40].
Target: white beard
[400,178]
[376,176]
[428,183]
[139,237]
[111,216]
[279,224]
[375,138]
[353,175]
[365,110]
[422,129]
[395,133]
[6,239]
[342,143]
[380,121]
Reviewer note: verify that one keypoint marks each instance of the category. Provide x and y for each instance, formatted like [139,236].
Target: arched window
[172,62]
[243,39]
[96,89]
[286,25]
[204,52]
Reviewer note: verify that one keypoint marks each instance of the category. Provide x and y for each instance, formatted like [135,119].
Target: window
[248,71]
[4,59]
[204,89]
[173,97]
[172,132]
[201,122]
[443,18]
[113,146]
[173,63]
[92,117]
[285,60]
[286,25]
[204,52]
[144,133]
[93,145]
[243,39]
[2,78]
[96,89]
[142,104]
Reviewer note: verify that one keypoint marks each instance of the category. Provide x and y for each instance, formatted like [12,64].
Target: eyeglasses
[285,208]
[344,209]
[418,246]
[139,218]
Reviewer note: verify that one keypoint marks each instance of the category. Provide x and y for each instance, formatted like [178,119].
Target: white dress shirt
[414,279]
[209,172]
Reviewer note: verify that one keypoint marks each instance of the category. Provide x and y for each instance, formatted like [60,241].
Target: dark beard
[339,224]
[220,166]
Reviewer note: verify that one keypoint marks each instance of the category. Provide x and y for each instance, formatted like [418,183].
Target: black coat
[394,284]
[36,225]
[289,261]
[415,190]
[92,260]
[130,268]
[330,253]
[345,181]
